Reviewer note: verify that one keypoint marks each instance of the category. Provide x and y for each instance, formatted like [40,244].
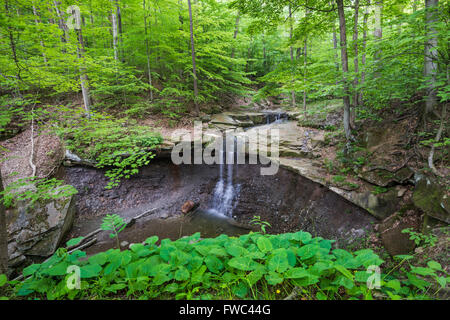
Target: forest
[346,99]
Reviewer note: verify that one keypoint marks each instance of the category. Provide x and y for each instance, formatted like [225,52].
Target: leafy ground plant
[253,266]
[114,223]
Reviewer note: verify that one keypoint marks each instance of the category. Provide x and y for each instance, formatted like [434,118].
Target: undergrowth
[253,266]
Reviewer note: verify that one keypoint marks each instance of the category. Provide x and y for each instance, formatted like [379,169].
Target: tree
[344,61]
[431,54]
[292,55]
[194,69]
[3,234]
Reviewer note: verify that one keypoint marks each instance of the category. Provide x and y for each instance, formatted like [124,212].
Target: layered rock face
[37,230]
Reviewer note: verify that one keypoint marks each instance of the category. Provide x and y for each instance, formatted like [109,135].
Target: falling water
[226,192]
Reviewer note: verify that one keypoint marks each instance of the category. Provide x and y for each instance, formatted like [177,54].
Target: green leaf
[274,278]
[423,271]
[182,274]
[264,244]
[307,251]
[74,241]
[3,280]
[236,250]
[434,265]
[214,264]
[90,271]
[344,271]
[296,273]
[242,263]
[279,261]
[31,269]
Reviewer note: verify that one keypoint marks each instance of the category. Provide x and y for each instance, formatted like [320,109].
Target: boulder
[223,119]
[431,198]
[38,229]
[392,237]
[379,205]
[385,178]
[188,206]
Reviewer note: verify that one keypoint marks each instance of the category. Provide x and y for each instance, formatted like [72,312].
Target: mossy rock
[431,198]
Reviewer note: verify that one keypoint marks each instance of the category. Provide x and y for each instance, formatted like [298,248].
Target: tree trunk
[336,55]
[363,58]
[194,70]
[147,48]
[431,55]
[344,60]
[378,32]
[114,34]
[36,22]
[3,234]
[236,30]
[305,59]
[292,56]
[120,30]
[356,64]
[62,26]
[83,76]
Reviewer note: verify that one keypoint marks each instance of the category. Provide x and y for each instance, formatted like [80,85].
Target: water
[226,192]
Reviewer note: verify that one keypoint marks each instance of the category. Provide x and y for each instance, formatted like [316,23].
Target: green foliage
[420,239]
[262,224]
[114,223]
[33,190]
[119,145]
[379,190]
[249,267]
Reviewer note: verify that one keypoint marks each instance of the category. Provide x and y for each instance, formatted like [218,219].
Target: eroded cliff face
[286,200]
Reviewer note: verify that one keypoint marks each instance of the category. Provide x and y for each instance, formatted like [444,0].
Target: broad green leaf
[264,244]
[214,264]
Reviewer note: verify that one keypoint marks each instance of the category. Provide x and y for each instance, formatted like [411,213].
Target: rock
[223,119]
[385,178]
[392,237]
[431,198]
[401,192]
[124,244]
[188,206]
[381,205]
[39,229]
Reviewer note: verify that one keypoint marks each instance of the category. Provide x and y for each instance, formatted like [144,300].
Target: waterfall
[225,192]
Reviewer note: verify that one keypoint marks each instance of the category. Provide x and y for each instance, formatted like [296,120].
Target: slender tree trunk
[83,77]
[356,64]
[264,53]
[120,29]
[36,22]
[378,32]
[147,48]
[344,59]
[236,30]
[194,69]
[12,43]
[431,54]
[305,59]
[336,54]
[363,58]
[292,56]
[114,34]
[62,26]
[3,234]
